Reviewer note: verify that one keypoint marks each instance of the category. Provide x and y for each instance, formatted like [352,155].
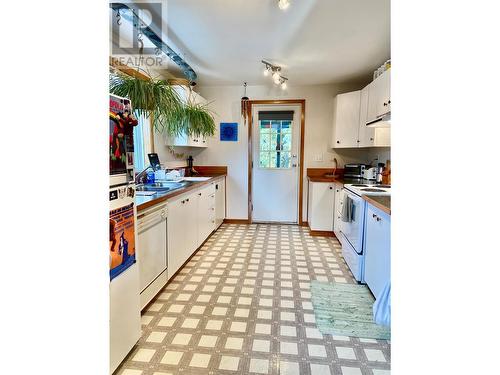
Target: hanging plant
[159,100]
[150,97]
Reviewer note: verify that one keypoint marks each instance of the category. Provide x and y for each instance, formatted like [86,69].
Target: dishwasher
[152,257]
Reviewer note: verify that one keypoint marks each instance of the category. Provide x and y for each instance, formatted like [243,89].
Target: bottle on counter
[386,174]
[380,170]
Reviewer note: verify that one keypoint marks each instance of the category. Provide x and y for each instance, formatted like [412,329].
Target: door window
[275,144]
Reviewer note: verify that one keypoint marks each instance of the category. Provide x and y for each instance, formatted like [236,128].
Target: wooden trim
[236,221]
[302,103]
[321,233]
[304,224]
[127,70]
[209,170]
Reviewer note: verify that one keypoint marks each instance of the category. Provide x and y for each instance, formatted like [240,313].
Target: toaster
[370,173]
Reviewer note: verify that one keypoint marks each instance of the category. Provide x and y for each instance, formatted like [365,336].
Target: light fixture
[283,4]
[275,70]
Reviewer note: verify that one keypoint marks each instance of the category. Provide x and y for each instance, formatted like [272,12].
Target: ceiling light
[283,86]
[266,71]
[283,4]
[276,78]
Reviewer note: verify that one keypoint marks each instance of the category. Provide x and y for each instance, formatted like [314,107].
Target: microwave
[354,170]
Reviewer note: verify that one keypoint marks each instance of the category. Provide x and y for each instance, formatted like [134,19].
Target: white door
[275,149]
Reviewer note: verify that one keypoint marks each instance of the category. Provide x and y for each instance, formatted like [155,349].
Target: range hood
[383,121]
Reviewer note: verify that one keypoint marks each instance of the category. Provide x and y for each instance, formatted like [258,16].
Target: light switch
[318,157]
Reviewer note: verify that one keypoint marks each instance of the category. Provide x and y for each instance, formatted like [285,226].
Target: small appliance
[354,170]
[370,174]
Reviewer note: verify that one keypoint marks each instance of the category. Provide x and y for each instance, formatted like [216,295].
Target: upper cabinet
[184,139]
[366,135]
[346,120]
[353,110]
[379,101]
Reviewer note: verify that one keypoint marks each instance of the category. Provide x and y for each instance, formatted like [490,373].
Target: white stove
[368,189]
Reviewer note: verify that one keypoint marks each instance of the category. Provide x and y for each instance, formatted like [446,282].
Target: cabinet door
[206,213]
[190,229]
[366,133]
[377,249]
[322,206]
[176,223]
[220,202]
[379,96]
[346,120]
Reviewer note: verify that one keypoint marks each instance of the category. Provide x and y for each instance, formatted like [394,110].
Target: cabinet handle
[187,200]
[183,202]
[376,217]
[331,188]
[199,194]
[385,104]
[389,102]
[338,141]
[371,139]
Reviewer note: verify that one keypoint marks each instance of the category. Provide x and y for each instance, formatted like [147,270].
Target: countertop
[340,179]
[382,202]
[143,201]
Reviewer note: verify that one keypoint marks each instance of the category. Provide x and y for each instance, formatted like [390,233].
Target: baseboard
[321,233]
[236,221]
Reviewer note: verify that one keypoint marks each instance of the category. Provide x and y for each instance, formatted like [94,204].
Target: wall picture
[229,131]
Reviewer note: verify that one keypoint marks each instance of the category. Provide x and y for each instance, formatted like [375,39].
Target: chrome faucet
[139,175]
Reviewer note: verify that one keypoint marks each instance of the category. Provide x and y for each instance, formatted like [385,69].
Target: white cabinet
[192,217]
[346,120]
[182,230]
[353,110]
[321,206]
[337,214]
[206,213]
[377,249]
[379,98]
[366,134]
[220,201]
[184,139]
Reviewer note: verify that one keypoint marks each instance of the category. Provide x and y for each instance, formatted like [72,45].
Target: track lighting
[275,70]
[283,4]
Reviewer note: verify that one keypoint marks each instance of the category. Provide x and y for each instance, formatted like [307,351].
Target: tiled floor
[243,306]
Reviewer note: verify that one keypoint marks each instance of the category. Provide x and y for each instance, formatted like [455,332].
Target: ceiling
[315,41]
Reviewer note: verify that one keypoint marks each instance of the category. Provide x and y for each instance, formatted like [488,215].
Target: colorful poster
[121,237]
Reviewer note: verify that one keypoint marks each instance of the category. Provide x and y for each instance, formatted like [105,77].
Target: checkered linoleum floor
[242,305]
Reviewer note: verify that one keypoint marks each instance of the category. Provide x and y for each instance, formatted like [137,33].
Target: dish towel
[382,307]
[347,209]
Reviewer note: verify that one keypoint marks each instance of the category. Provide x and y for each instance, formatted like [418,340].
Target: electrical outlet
[318,157]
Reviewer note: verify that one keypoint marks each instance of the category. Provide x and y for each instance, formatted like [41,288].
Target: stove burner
[359,185]
[384,186]
[372,190]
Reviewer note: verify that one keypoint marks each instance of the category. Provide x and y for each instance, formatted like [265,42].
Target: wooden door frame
[302,103]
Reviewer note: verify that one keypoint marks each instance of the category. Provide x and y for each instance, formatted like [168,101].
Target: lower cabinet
[377,249]
[321,206]
[182,230]
[337,214]
[220,201]
[192,217]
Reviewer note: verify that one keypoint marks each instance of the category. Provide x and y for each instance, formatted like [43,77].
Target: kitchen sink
[163,187]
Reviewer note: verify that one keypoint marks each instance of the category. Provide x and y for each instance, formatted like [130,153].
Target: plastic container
[150,177]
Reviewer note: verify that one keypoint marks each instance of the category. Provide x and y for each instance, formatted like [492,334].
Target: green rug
[346,310]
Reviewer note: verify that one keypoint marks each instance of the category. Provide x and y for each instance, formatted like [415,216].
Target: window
[275,144]
[141,143]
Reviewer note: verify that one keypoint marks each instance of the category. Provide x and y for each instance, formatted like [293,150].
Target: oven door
[353,230]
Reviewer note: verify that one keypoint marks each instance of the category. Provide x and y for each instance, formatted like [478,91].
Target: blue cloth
[382,307]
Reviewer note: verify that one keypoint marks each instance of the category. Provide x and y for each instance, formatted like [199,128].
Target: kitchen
[189,200]
[251,150]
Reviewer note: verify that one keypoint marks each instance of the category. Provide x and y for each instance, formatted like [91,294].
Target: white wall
[226,103]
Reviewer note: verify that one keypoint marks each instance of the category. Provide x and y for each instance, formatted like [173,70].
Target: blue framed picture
[229,131]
